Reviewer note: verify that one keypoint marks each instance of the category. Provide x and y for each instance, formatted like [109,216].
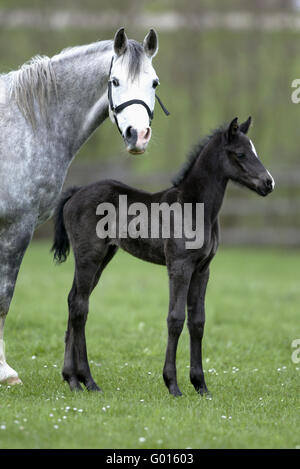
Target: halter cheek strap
[117,109]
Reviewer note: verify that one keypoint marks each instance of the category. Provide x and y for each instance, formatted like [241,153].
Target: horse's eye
[155,83]
[241,155]
[115,82]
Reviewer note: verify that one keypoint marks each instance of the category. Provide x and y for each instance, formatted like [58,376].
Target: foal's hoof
[75,385]
[175,391]
[13,380]
[93,387]
[203,392]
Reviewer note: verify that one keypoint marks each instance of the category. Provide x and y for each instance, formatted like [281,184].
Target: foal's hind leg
[76,368]
[196,321]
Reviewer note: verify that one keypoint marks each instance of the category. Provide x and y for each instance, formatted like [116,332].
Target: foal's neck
[206,182]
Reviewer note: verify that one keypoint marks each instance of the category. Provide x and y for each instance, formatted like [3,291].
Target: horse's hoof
[13,380]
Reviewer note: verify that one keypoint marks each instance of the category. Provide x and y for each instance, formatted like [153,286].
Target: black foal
[228,154]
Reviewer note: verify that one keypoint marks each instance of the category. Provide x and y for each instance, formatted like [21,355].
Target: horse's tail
[61,244]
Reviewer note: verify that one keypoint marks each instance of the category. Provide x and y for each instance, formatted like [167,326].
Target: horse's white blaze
[141,87]
[273,182]
[253,148]
[255,153]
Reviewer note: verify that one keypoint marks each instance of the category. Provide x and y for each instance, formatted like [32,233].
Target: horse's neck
[206,184]
[82,104]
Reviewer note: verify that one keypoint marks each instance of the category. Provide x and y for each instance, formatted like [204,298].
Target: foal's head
[241,162]
[132,77]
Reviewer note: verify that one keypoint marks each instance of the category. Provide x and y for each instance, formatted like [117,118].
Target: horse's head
[242,163]
[131,89]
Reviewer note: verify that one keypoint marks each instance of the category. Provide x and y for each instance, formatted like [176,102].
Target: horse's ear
[120,42]
[244,127]
[151,43]
[232,129]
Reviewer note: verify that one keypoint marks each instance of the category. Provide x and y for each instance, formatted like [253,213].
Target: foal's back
[81,218]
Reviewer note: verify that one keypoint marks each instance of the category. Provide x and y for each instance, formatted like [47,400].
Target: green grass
[252,319]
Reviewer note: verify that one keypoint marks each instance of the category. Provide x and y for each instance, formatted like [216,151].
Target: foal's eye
[155,83]
[115,82]
[241,155]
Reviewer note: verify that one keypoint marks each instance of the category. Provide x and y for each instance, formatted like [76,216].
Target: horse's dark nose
[130,136]
[269,183]
[137,140]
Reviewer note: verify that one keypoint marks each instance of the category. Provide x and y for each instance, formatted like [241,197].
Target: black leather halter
[117,109]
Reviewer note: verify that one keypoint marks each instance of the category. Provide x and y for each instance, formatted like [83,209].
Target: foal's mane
[35,80]
[193,155]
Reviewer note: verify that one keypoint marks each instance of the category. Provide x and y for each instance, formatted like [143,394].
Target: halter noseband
[117,109]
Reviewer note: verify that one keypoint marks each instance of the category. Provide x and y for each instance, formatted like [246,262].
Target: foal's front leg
[179,279]
[196,321]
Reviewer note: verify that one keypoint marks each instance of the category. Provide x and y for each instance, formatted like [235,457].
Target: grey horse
[48,109]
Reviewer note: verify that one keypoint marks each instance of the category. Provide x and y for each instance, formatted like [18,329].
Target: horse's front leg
[196,321]
[179,279]
[14,240]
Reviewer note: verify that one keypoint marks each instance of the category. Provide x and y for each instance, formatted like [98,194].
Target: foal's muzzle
[266,186]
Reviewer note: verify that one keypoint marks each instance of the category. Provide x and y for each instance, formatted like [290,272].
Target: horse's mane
[35,80]
[194,154]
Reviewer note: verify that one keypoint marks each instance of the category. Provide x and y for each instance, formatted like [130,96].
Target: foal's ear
[244,127]
[120,42]
[232,129]
[151,43]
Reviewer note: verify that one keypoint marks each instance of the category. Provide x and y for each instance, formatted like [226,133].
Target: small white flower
[142,439]
[3,427]
[33,357]
[56,427]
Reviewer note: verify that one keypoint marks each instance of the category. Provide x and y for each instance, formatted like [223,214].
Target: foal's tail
[61,244]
